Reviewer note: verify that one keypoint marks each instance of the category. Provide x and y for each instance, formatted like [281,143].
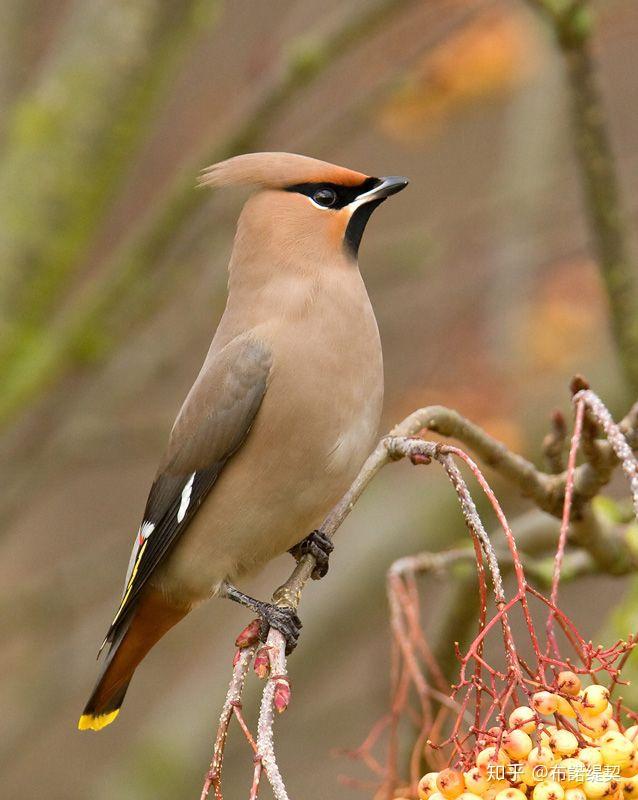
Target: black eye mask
[343,195]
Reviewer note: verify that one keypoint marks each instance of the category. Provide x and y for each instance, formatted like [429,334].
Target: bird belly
[316,426]
[256,512]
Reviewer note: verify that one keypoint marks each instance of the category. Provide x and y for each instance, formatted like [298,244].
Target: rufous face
[321,218]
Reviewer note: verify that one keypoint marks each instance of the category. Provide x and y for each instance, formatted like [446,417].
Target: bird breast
[316,425]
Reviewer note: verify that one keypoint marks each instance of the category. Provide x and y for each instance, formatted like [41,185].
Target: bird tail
[151,618]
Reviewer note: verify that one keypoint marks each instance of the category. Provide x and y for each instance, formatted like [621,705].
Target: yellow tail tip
[89,722]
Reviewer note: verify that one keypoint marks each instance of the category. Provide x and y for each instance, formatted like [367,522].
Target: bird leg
[282,618]
[318,545]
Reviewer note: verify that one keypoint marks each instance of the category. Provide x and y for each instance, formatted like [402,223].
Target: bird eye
[325,197]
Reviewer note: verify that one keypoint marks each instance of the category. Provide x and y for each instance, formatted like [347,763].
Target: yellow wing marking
[130,585]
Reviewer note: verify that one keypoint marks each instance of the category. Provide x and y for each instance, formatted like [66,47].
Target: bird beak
[384,188]
[388,186]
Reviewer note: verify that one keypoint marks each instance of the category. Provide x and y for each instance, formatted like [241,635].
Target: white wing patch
[186,498]
[146,530]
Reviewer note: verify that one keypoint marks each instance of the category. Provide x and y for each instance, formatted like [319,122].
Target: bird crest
[276,171]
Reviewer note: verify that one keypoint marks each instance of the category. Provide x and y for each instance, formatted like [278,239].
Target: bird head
[304,206]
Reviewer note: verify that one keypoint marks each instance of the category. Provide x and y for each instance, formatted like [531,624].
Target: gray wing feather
[212,425]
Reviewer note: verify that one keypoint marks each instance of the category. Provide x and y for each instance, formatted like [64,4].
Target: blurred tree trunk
[573,26]
[67,144]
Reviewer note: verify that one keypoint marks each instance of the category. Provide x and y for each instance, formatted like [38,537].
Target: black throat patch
[344,196]
[357,225]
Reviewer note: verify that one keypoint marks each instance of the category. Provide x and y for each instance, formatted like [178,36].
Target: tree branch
[401,443]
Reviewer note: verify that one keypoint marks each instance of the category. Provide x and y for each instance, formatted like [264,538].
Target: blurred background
[112,279]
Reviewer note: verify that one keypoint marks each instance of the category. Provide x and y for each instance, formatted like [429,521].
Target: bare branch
[401,443]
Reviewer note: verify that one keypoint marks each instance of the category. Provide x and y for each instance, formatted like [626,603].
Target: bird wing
[211,426]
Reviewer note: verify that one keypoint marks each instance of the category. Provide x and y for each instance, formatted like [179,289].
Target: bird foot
[283,619]
[319,546]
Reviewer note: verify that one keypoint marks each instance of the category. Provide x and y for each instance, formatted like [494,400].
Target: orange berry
[450,783]
[517,744]
[568,683]
[545,702]
[476,781]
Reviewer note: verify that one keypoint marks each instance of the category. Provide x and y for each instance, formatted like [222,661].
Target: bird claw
[283,619]
[319,546]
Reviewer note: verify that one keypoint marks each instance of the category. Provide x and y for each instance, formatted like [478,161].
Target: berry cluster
[584,756]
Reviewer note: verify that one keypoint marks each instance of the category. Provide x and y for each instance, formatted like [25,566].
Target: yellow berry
[546,733]
[427,785]
[469,796]
[540,757]
[594,699]
[575,794]
[630,787]
[616,750]
[615,789]
[476,781]
[564,743]
[632,768]
[570,772]
[591,757]
[511,794]
[548,790]
[596,785]
[523,718]
[565,708]
[496,787]
[527,775]
[450,783]
[632,733]
[594,727]
[517,744]
[568,683]
[489,756]
[613,726]
[437,796]
[545,702]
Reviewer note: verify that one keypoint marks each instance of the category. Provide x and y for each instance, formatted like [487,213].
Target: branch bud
[249,636]
[261,664]
[282,695]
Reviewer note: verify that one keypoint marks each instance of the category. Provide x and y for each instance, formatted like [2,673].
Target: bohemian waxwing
[279,420]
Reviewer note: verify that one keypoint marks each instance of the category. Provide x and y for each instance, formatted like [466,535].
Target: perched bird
[279,420]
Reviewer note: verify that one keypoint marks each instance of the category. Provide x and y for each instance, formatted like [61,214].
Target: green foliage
[68,143]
